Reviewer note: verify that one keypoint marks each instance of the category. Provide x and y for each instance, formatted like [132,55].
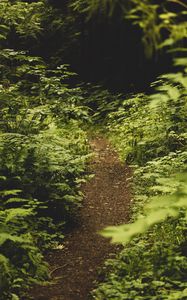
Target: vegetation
[149,132]
[44,148]
[43,152]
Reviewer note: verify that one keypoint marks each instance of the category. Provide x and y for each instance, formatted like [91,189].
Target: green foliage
[23,17]
[43,152]
[157,210]
[101,102]
[152,267]
[150,132]
[152,126]
[21,262]
[43,148]
[93,6]
[161,24]
[47,165]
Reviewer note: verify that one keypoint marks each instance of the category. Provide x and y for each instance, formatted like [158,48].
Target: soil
[74,268]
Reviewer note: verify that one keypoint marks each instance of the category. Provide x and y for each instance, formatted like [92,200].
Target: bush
[21,262]
[43,153]
[150,132]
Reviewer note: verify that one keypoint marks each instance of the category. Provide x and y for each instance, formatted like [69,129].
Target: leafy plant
[149,131]
[21,262]
[153,262]
[43,154]
[151,266]
[24,17]
[155,211]
[162,24]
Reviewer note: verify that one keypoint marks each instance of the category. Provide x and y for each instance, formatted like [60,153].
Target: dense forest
[74,71]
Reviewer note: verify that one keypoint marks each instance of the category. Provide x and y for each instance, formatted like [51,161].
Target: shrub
[43,153]
[150,132]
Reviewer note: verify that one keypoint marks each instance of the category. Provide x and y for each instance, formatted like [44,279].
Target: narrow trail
[107,202]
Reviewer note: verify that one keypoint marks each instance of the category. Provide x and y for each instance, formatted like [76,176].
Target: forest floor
[74,268]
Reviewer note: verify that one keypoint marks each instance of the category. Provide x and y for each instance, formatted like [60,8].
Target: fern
[16,244]
[149,131]
[157,210]
[43,152]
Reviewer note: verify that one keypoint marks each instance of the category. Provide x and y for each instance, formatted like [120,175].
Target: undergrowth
[43,152]
[44,149]
[149,132]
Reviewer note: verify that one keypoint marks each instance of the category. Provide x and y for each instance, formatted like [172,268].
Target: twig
[57,269]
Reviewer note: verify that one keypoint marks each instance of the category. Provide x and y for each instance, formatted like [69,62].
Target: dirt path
[107,200]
